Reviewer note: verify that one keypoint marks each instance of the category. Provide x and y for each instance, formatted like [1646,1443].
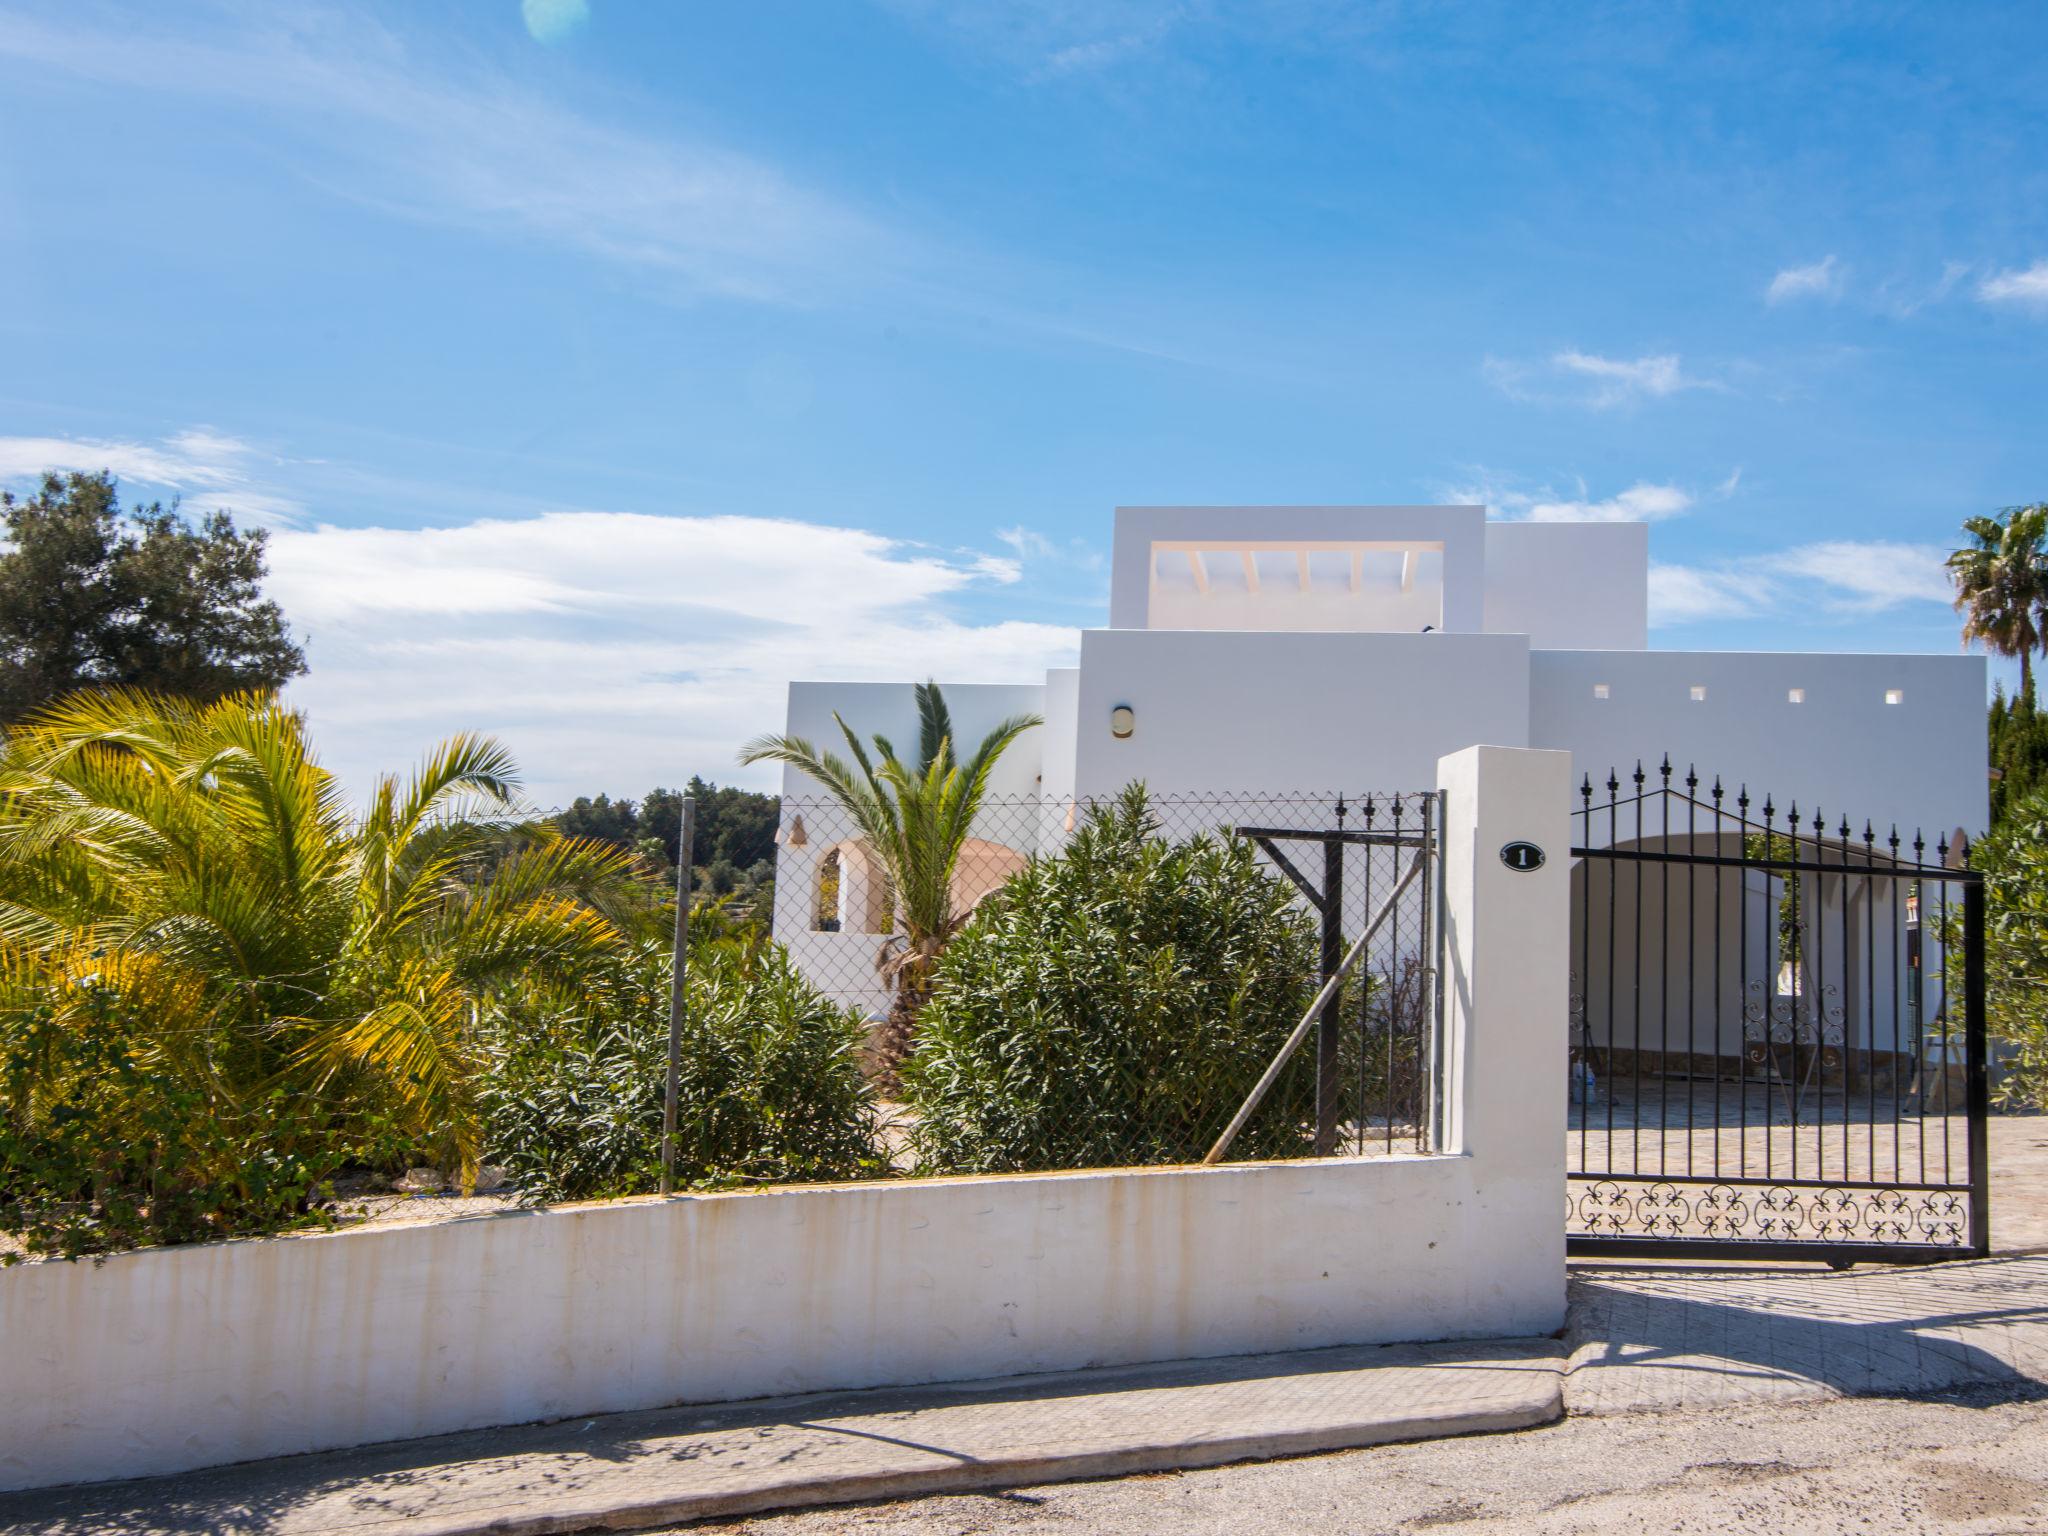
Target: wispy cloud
[619,650]
[1587,378]
[2022,287]
[467,144]
[1822,279]
[1031,546]
[1837,578]
[1044,40]
[208,470]
[1642,502]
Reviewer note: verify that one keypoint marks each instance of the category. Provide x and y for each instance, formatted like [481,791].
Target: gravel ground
[1969,1463]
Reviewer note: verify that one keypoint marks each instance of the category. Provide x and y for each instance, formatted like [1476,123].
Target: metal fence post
[678,999]
[1979,1089]
[1329,1033]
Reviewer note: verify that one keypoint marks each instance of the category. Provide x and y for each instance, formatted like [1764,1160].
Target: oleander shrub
[770,1085]
[1114,1005]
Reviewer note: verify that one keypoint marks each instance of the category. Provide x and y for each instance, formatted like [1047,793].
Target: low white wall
[172,1359]
[162,1361]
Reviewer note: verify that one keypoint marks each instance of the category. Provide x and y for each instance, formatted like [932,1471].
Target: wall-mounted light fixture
[1122,721]
[795,837]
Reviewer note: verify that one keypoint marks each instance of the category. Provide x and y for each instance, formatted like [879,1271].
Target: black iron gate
[1376,886]
[1777,1032]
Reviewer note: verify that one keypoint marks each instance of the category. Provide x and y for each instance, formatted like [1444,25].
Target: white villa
[1265,650]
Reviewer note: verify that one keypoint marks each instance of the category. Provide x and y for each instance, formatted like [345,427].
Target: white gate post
[1506,958]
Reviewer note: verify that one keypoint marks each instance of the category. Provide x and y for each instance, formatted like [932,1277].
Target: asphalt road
[1973,1462]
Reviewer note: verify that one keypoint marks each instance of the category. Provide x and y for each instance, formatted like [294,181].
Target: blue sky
[601,366]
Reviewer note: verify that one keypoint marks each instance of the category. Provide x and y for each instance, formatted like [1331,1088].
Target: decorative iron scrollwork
[1819,1214]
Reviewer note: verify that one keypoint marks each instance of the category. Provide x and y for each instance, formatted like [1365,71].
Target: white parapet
[171,1359]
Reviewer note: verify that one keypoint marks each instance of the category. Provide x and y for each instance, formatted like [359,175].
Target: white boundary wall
[172,1359]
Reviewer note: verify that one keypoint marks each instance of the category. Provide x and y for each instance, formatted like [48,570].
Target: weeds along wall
[165,1360]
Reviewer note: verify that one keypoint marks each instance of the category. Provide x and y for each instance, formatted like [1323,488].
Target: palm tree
[332,959]
[2001,580]
[915,819]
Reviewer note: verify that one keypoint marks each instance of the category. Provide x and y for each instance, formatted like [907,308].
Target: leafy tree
[330,968]
[2014,859]
[1115,1005]
[90,598]
[2001,581]
[2018,751]
[603,820]
[734,828]
[916,818]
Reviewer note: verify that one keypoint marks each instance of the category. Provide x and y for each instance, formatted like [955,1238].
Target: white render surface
[1569,586]
[1260,712]
[170,1359]
[1277,650]
[1919,762]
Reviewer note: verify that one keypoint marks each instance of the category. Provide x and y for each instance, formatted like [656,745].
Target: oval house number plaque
[1522,857]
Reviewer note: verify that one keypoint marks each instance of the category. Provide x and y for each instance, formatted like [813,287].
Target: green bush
[1114,1006]
[115,1133]
[2014,859]
[771,1089]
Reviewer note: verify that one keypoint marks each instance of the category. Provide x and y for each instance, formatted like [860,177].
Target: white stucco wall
[1919,762]
[1458,533]
[1279,712]
[1569,586]
[162,1361]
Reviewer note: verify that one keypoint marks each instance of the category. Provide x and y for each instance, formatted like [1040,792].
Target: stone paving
[631,1471]
[1679,1337]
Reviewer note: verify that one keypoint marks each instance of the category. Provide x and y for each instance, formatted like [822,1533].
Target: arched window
[853,892]
[825,910]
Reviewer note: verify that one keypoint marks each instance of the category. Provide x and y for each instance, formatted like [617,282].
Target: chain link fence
[1117,975]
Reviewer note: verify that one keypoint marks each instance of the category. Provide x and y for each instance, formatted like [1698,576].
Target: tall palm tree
[916,818]
[328,957]
[2001,580]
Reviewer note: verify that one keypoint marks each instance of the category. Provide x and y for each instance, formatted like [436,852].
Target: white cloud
[2026,287]
[1820,280]
[208,470]
[1031,546]
[1642,502]
[1839,578]
[1685,594]
[613,651]
[1586,378]
[467,145]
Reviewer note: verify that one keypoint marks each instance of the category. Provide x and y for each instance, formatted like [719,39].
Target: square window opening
[1601,691]
[1699,692]
[1795,696]
[1895,695]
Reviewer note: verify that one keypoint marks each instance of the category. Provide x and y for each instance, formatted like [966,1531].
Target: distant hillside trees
[732,846]
[93,598]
